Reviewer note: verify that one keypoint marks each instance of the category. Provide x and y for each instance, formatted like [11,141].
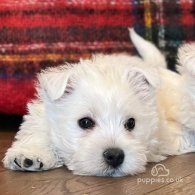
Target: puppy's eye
[86,123]
[130,124]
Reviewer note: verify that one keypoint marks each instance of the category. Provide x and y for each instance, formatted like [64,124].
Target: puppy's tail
[147,50]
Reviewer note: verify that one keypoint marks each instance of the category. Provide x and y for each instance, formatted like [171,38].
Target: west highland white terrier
[110,115]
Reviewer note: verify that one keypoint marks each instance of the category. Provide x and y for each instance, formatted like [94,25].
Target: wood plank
[186,186]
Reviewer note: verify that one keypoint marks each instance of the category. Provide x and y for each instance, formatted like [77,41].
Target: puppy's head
[102,114]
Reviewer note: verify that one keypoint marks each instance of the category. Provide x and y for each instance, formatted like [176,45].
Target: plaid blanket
[41,33]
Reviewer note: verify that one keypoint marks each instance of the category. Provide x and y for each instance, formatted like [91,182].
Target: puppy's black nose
[114,157]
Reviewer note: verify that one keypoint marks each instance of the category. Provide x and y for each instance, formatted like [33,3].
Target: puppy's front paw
[28,161]
[155,157]
[24,163]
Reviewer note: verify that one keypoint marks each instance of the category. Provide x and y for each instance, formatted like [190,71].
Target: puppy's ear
[55,82]
[143,83]
[186,59]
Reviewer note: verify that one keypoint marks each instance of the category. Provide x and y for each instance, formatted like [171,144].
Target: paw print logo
[159,170]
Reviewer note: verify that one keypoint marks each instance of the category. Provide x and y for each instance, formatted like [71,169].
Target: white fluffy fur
[110,89]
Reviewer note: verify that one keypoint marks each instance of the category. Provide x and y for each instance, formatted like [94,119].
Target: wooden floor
[181,179]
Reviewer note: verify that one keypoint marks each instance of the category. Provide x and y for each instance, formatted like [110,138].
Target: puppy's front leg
[32,150]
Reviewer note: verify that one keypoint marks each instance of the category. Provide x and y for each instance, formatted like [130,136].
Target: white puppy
[110,115]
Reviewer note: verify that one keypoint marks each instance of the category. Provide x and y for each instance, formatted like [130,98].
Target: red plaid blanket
[35,34]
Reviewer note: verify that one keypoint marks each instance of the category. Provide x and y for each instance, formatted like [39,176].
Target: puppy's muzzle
[114,156]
